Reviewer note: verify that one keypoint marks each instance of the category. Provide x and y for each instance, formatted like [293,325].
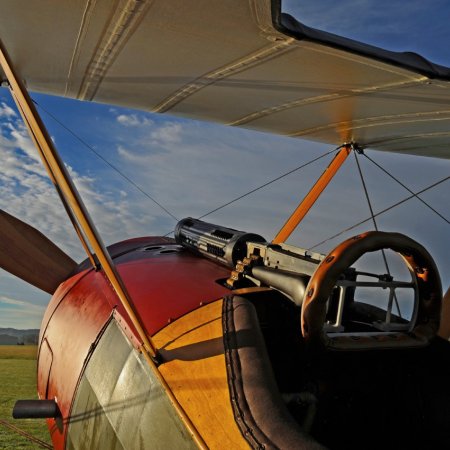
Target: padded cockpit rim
[258,409]
[420,264]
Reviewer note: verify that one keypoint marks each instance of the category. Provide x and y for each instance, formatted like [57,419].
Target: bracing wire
[366,192]
[373,215]
[405,187]
[379,213]
[125,177]
[273,180]
[25,435]
[112,166]
[269,182]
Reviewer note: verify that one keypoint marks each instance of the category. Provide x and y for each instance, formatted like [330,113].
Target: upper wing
[238,62]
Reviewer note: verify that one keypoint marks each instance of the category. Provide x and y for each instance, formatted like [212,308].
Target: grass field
[18,381]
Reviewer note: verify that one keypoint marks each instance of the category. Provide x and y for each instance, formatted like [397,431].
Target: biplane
[219,338]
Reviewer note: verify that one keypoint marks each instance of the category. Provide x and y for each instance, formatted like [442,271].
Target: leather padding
[418,260]
[257,405]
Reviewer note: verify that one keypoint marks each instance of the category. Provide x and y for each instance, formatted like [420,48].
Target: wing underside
[240,63]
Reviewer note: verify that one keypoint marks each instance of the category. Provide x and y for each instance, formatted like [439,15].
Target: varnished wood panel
[194,368]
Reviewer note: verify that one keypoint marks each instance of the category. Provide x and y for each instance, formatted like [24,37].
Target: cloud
[353,16]
[132,120]
[11,301]
[6,111]
[191,168]
[383,23]
[126,154]
[167,134]
[28,194]
[26,190]
[210,165]
[20,303]
[194,168]
[20,314]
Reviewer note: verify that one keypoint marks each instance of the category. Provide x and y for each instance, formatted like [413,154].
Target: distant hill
[11,336]
[6,339]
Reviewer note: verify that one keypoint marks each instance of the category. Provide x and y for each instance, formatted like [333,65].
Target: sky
[192,167]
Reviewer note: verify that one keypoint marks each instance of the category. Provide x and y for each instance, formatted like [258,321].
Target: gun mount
[255,262]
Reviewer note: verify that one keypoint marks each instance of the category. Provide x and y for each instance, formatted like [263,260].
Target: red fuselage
[164,281]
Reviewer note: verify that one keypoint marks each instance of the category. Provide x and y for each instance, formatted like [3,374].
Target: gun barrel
[221,244]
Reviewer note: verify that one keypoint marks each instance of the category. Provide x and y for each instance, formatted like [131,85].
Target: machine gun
[250,257]
[255,262]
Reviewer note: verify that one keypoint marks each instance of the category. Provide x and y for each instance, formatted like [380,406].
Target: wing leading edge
[241,64]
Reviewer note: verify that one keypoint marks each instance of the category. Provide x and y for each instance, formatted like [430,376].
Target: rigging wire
[26,435]
[380,212]
[406,187]
[269,182]
[125,177]
[265,184]
[366,192]
[89,147]
[83,142]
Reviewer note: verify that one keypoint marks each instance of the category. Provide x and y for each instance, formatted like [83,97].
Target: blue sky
[192,167]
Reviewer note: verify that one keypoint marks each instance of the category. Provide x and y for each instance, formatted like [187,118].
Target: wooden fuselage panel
[165,283]
[194,367]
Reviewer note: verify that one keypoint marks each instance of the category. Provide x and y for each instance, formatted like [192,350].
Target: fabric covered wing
[237,62]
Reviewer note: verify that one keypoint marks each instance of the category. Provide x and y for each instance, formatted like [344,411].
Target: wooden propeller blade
[28,254]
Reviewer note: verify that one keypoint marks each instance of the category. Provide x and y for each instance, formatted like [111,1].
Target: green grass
[18,381]
[18,352]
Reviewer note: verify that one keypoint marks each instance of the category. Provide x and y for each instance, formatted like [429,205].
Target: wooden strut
[61,178]
[58,190]
[312,196]
[83,222]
